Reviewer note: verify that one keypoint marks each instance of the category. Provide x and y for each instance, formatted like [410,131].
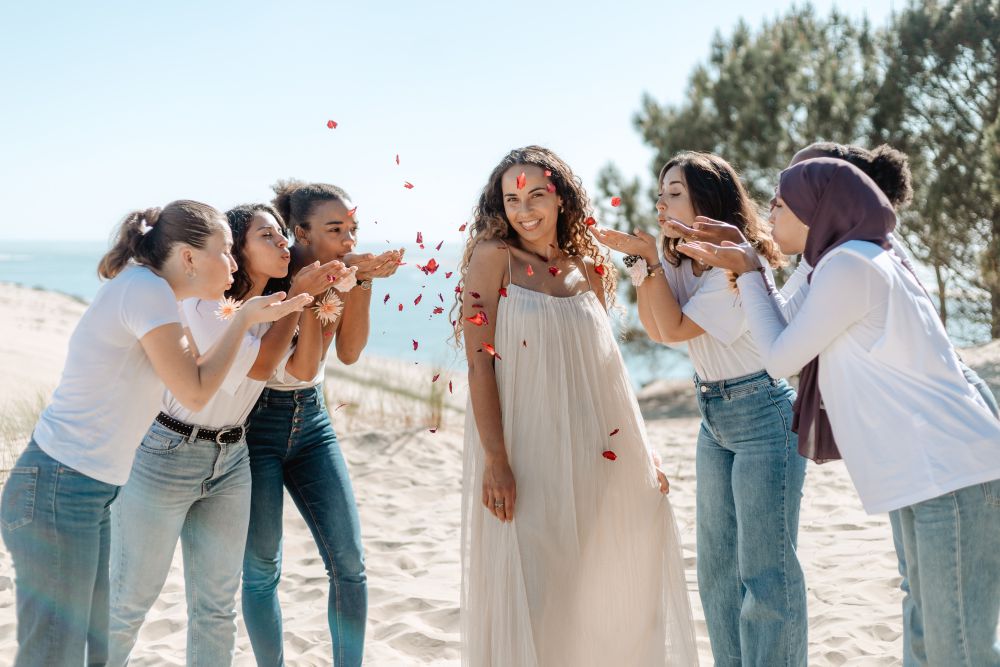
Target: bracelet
[639,269]
[365,284]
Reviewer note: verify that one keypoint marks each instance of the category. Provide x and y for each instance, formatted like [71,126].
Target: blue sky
[113,106]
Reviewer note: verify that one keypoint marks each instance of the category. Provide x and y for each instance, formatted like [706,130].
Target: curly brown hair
[717,192]
[489,219]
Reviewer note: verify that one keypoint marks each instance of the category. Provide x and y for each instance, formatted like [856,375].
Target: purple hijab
[839,203]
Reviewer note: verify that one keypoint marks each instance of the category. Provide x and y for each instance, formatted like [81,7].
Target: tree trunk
[942,287]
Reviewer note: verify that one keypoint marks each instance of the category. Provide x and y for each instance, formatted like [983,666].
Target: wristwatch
[365,284]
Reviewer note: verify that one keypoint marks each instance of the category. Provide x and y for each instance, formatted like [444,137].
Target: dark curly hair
[239,218]
[717,192]
[888,167]
[295,200]
[489,219]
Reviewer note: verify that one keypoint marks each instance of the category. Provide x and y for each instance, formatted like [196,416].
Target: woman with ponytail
[127,347]
[291,439]
[191,477]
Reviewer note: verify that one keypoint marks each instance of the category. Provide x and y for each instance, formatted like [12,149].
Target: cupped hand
[375,266]
[316,278]
[640,243]
[738,258]
[272,307]
[499,489]
[705,229]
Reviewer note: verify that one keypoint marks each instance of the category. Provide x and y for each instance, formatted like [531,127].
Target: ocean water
[71,268]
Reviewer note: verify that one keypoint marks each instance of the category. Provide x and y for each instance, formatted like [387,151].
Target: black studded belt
[222,436]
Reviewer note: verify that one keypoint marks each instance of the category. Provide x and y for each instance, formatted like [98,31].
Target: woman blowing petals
[126,349]
[881,383]
[569,547]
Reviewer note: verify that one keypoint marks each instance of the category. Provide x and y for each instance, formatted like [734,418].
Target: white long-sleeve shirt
[907,423]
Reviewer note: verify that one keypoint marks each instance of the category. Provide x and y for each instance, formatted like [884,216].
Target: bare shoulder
[489,258]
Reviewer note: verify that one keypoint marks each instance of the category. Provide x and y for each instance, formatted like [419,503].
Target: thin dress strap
[510,272]
[586,273]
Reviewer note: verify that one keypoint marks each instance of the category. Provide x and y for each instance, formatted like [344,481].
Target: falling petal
[430,267]
[351,213]
[397,158]
[524,343]
[386,299]
[417,300]
[458,289]
[449,387]
[530,270]
[408,185]
[478,305]
[550,187]
[440,296]
[464,225]
[548,173]
[493,353]
[521,180]
[554,270]
[448,274]
[435,378]
[327,334]
[400,307]
[475,295]
[433,430]
[616,201]
[415,345]
[609,455]
[590,221]
[614,432]
[503,291]
[479,319]
[342,405]
[599,269]
[332,124]
[420,237]
[438,246]
[438,310]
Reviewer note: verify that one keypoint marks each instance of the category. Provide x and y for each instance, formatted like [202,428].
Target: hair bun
[890,169]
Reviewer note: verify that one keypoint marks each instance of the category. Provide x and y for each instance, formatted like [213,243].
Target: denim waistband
[708,389]
[308,396]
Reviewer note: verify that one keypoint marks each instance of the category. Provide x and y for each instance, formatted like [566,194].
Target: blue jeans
[292,445]
[55,523]
[749,487]
[949,549]
[914,653]
[198,491]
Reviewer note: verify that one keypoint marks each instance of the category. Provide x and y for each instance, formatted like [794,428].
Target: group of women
[570,554]
[192,400]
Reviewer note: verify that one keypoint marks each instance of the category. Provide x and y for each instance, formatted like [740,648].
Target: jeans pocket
[992,492]
[17,507]
[156,442]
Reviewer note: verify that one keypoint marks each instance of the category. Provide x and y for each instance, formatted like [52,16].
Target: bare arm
[193,380]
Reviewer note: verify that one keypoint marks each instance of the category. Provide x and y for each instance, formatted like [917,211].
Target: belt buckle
[222,432]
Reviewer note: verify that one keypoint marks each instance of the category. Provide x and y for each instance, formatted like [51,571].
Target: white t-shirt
[109,392]
[907,423]
[282,380]
[726,349]
[231,405]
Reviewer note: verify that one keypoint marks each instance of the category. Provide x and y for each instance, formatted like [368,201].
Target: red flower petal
[524,343]
[332,124]
[479,319]
[489,348]
[449,387]
[599,269]
[478,305]
[503,291]
[448,274]
[590,222]
[475,295]
[417,300]
[530,270]
[342,405]
[440,297]
[400,307]
[438,310]
[547,173]
[554,270]
[458,289]
[521,180]
[438,246]
[609,455]
[435,378]
[433,430]
[350,214]
[550,187]
[613,432]
[616,201]
[408,185]
[415,345]
[464,225]
[397,158]
[420,237]
[386,299]
[430,267]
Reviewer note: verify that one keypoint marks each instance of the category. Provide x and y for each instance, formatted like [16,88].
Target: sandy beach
[407,482]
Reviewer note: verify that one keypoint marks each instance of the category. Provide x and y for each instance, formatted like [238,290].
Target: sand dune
[407,482]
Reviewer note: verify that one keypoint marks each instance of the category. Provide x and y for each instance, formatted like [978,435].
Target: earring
[192,274]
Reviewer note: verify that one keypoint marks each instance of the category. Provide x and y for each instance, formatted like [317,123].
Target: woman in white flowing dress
[569,546]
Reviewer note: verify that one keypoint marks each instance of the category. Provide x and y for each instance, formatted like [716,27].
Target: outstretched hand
[738,258]
[705,229]
[272,307]
[640,243]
